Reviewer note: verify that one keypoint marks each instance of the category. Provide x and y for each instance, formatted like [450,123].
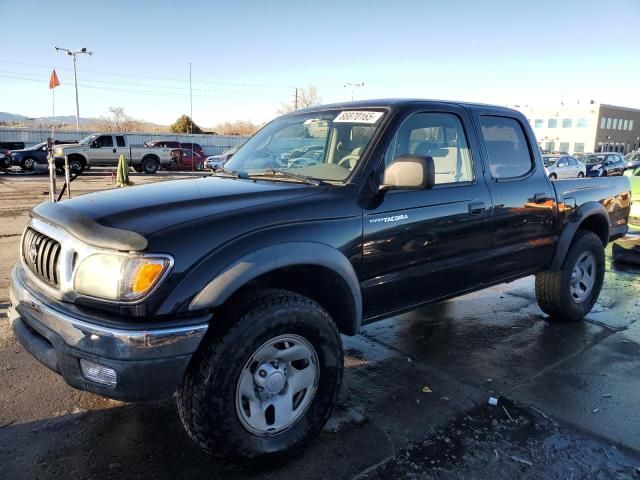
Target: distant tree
[184,124]
[119,121]
[306,98]
[241,127]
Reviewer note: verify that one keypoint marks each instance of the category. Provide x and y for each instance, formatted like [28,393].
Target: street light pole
[74,53]
[353,87]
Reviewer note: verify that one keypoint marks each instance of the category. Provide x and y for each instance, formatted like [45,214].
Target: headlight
[119,277]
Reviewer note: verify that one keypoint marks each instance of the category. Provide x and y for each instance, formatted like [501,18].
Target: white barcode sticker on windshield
[353,116]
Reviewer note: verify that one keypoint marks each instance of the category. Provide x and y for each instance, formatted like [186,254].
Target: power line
[86,83]
[146,77]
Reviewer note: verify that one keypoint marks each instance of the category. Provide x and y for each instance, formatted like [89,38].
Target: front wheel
[265,385]
[570,293]
[75,166]
[27,163]
[199,166]
[580,175]
[553,176]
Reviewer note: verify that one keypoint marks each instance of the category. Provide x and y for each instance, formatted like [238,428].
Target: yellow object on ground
[122,173]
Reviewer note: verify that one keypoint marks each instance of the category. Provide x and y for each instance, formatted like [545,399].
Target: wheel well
[77,156]
[151,157]
[318,283]
[598,225]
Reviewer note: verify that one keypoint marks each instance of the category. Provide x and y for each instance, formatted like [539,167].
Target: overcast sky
[248,56]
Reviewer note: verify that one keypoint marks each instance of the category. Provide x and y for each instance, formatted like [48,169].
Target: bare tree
[241,127]
[119,121]
[305,99]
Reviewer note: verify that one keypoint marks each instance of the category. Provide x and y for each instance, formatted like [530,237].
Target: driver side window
[440,136]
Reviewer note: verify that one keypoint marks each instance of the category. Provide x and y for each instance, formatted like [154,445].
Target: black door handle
[540,197]
[477,208]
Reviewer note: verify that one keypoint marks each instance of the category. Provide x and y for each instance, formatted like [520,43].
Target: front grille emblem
[33,253]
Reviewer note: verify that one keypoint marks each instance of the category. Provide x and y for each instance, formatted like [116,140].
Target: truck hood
[150,208]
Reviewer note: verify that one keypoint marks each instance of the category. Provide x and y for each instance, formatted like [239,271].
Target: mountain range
[71,119]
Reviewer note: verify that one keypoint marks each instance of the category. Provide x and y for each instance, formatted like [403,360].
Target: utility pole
[353,87]
[74,53]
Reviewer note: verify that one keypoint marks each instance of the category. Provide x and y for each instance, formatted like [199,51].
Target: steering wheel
[349,161]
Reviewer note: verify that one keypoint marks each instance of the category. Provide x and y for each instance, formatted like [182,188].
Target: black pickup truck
[233,289]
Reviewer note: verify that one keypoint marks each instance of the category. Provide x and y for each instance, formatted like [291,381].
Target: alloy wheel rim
[28,163]
[277,385]
[583,277]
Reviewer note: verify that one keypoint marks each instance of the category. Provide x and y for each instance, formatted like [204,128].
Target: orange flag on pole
[53,81]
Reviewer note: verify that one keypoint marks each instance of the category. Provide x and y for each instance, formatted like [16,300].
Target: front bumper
[149,362]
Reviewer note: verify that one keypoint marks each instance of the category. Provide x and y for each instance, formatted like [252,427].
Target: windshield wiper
[221,172]
[276,171]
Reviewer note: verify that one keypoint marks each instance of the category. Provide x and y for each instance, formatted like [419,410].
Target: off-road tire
[206,399]
[150,166]
[553,288]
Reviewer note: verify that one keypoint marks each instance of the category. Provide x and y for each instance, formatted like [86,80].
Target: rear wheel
[150,165]
[570,293]
[580,175]
[264,386]
[553,176]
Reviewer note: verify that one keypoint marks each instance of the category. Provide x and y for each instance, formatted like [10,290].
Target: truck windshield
[324,145]
[88,139]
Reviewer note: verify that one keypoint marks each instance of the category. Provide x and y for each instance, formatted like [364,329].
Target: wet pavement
[413,403]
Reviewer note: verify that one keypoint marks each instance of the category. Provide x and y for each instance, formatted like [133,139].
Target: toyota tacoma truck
[232,291]
[105,150]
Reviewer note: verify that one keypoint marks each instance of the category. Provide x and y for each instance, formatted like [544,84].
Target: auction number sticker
[354,116]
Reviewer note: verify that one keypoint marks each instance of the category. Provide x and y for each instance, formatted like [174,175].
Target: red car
[184,159]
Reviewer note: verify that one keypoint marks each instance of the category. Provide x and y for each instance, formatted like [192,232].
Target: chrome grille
[41,254]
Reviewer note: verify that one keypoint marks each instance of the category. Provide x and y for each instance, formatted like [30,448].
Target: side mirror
[409,172]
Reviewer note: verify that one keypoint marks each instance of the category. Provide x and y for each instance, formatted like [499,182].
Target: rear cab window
[507,147]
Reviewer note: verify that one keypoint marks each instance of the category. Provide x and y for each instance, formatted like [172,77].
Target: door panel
[420,245]
[524,204]
[103,155]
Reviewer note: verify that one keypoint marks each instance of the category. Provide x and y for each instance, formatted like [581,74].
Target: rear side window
[507,147]
[120,141]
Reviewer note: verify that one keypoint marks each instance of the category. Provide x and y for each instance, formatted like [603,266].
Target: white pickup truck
[105,150]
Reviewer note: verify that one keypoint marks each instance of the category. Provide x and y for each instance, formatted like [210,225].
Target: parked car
[632,159]
[11,145]
[232,290]
[173,144]
[105,150]
[5,159]
[196,147]
[634,215]
[187,160]
[604,164]
[35,157]
[563,166]
[216,161]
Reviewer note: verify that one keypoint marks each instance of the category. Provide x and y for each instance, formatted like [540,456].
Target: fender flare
[582,213]
[267,259]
